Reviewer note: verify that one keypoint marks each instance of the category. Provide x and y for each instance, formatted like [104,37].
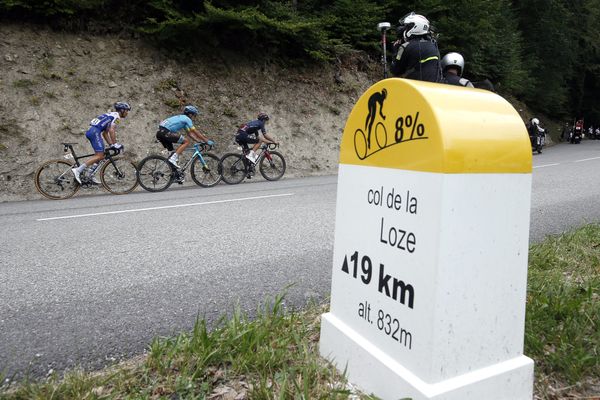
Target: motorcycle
[575,136]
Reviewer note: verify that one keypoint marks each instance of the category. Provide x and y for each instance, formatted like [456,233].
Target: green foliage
[245,29]
[544,52]
[353,22]
[550,31]
[488,39]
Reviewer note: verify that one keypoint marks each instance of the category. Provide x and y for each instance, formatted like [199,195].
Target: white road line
[546,165]
[587,159]
[165,207]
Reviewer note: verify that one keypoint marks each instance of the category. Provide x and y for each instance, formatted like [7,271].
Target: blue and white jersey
[106,120]
[177,123]
[252,127]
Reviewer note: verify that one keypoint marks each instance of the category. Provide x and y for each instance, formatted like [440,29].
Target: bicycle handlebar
[204,146]
[111,152]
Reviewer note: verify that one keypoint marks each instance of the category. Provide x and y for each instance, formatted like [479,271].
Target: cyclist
[376,98]
[103,126]
[168,132]
[253,128]
[417,55]
[453,65]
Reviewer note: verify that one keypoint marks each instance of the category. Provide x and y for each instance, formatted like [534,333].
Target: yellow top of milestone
[423,126]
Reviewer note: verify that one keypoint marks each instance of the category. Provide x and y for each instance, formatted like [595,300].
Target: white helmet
[453,60]
[413,25]
[535,121]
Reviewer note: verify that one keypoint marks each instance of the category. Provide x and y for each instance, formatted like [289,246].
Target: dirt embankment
[52,84]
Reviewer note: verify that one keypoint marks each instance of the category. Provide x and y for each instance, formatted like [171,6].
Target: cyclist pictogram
[362,142]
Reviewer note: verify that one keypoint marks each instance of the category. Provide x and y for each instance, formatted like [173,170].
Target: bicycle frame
[69,146]
[264,152]
[198,149]
[108,156]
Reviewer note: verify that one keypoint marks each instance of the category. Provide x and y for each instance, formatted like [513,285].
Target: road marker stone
[431,245]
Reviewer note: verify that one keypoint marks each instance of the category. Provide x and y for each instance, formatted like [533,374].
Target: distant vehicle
[576,135]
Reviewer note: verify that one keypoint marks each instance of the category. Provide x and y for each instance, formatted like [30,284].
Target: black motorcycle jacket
[452,79]
[534,130]
[418,58]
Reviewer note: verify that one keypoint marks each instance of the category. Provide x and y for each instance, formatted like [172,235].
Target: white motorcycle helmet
[413,25]
[535,121]
[453,60]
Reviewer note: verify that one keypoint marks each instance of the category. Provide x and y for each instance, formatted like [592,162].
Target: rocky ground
[52,84]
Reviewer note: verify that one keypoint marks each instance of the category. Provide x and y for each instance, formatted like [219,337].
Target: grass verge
[275,355]
[562,327]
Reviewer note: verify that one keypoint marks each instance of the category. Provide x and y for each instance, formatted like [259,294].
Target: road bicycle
[234,167]
[55,180]
[156,173]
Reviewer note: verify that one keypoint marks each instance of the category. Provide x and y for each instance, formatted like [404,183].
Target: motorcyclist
[453,65]
[417,55]
[577,132]
[534,129]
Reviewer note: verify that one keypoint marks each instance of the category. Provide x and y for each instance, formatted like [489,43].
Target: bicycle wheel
[119,176]
[155,173]
[380,135]
[206,178]
[232,168]
[360,144]
[272,168]
[54,180]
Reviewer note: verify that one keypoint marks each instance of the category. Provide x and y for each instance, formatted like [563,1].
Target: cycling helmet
[413,25]
[190,109]
[263,116]
[535,121]
[121,105]
[453,60]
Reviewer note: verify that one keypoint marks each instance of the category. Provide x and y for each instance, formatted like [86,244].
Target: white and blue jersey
[98,125]
[177,123]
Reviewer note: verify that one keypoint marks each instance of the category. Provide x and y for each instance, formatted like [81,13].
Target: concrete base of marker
[377,373]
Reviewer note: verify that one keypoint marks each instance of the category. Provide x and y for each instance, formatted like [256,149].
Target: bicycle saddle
[68,144]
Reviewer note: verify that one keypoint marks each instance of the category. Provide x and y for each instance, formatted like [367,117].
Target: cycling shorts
[243,138]
[167,138]
[94,135]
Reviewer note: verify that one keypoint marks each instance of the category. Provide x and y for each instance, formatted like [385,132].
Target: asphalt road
[93,279]
[566,188]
